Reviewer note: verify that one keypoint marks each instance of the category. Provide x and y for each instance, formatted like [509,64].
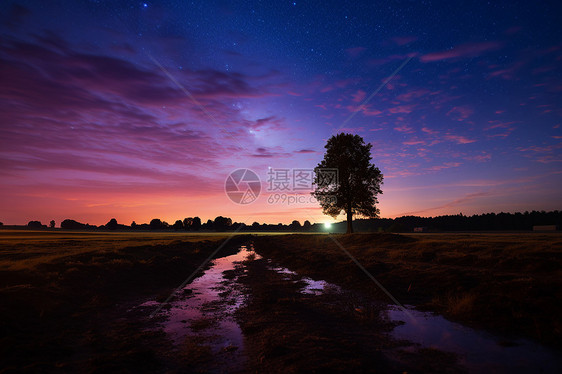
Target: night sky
[137,110]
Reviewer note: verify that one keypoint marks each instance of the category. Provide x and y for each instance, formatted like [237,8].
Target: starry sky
[137,110]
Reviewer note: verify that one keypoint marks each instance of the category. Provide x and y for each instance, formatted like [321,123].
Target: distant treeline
[482,222]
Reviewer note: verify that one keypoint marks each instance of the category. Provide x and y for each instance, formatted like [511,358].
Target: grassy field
[26,249]
[343,331]
[65,297]
[509,283]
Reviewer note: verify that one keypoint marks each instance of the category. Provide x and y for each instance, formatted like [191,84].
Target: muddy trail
[246,313]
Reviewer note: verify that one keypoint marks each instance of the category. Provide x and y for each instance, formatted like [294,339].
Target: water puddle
[477,350]
[311,286]
[205,307]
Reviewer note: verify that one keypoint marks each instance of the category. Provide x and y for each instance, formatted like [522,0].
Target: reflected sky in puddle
[205,308]
[214,298]
[311,286]
[478,351]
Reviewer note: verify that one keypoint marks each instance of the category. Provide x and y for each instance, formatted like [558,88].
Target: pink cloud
[371,112]
[462,51]
[401,109]
[510,72]
[414,94]
[449,205]
[482,158]
[358,96]
[404,128]
[459,139]
[413,142]
[460,113]
[429,131]
[446,165]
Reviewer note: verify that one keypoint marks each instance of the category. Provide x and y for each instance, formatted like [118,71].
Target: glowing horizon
[144,110]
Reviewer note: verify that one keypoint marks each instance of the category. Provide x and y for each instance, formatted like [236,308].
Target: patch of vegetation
[508,283]
[67,299]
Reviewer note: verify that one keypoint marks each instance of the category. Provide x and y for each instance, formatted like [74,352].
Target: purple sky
[139,110]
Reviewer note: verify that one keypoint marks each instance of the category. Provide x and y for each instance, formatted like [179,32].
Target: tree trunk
[349,222]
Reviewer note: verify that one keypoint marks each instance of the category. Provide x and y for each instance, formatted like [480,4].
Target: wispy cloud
[462,51]
[459,139]
[452,204]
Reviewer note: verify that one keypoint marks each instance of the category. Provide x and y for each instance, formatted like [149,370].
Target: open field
[63,296]
[66,297]
[506,282]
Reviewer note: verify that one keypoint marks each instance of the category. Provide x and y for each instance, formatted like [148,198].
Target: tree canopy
[355,188]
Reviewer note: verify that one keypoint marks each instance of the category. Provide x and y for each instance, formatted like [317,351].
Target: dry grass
[457,305]
[510,283]
[26,249]
[290,332]
[66,297]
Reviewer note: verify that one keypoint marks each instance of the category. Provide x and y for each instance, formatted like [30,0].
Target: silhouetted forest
[459,222]
[482,222]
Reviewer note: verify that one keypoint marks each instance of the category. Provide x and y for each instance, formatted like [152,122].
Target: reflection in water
[477,350]
[311,286]
[206,306]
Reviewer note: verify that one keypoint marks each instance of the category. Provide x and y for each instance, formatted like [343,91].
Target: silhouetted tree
[295,225]
[134,225]
[187,222]
[156,224]
[196,224]
[222,223]
[237,226]
[306,225]
[178,225]
[72,224]
[358,183]
[34,224]
[52,224]
[112,224]
[255,225]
